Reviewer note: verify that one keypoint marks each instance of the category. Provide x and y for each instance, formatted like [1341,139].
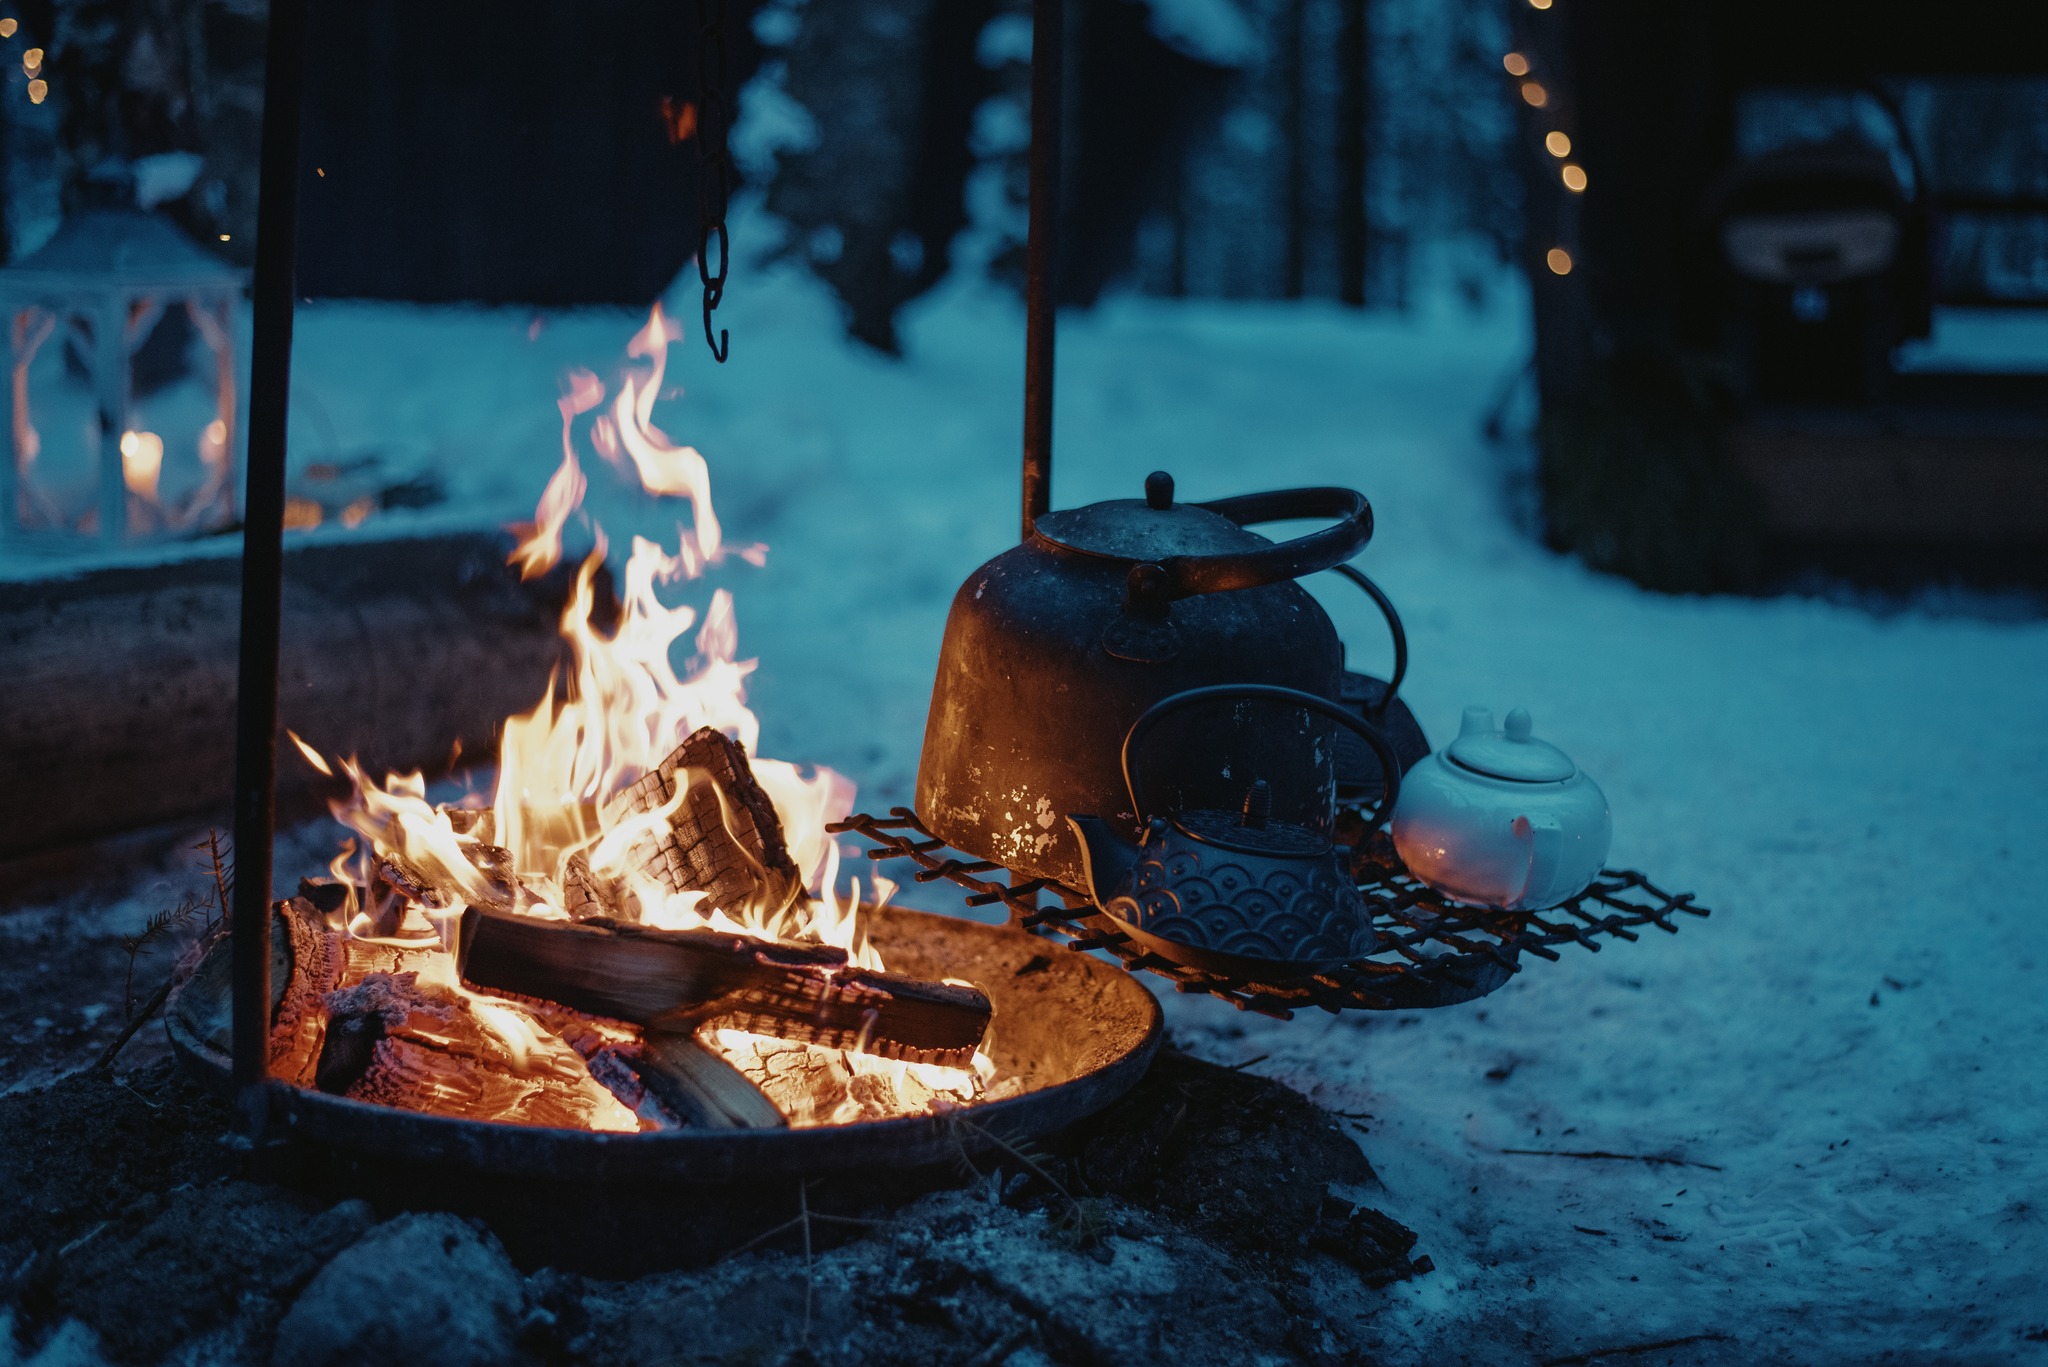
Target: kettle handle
[1366,731]
[1154,584]
[1394,629]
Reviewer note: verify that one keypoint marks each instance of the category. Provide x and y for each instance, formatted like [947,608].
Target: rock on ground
[418,1289]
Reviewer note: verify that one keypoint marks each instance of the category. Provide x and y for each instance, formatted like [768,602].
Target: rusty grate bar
[1432,951]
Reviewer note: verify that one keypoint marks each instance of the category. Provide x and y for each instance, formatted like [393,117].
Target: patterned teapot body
[1233,892]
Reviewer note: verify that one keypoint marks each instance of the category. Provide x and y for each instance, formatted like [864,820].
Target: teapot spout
[1108,861]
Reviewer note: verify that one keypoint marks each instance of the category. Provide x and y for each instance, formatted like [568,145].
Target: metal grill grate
[1432,951]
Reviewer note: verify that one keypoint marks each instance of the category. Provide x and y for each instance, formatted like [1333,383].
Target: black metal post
[1354,79]
[277,215]
[1041,255]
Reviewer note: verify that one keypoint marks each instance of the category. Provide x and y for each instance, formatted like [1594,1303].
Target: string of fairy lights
[1556,141]
[31,62]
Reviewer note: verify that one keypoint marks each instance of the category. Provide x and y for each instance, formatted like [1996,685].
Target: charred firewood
[479,823]
[355,1020]
[395,877]
[328,896]
[494,862]
[348,1050]
[695,979]
[722,839]
[700,1088]
[585,894]
[395,874]
[1379,1246]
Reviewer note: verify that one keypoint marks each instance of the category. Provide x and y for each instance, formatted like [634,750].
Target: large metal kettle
[1057,646]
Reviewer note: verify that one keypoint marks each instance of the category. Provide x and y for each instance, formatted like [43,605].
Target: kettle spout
[1108,861]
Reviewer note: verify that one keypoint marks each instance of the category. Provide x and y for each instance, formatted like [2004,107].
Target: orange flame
[623,707]
[541,550]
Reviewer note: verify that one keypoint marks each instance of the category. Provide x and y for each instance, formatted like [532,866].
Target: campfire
[642,927]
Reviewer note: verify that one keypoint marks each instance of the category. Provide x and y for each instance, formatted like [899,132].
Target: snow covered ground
[1847,1057]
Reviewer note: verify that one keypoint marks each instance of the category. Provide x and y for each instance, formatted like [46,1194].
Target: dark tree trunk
[1353,238]
[891,87]
[1294,73]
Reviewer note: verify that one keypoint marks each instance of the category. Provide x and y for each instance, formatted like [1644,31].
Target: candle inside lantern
[142,463]
[213,443]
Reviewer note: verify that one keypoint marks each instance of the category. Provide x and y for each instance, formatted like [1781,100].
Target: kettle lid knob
[1518,724]
[1159,489]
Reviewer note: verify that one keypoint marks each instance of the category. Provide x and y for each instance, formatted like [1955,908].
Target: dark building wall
[509,150]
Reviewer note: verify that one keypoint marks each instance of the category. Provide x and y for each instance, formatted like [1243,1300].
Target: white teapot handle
[1545,840]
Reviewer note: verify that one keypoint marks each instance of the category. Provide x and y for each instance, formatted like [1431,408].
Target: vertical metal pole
[10,468]
[110,362]
[1042,255]
[277,213]
[1354,81]
[1295,67]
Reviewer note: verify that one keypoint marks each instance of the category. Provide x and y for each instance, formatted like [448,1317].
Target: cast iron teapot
[1057,646]
[1235,892]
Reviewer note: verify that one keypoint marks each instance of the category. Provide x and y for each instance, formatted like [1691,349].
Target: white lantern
[88,457]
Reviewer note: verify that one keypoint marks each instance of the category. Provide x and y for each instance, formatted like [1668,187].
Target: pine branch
[158,926]
[105,1062]
[223,870]
[1024,1151]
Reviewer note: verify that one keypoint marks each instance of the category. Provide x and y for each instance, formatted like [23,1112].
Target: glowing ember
[562,821]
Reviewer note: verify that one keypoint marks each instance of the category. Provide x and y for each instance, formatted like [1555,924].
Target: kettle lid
[1151,528]
[1253,830]
[1509,753]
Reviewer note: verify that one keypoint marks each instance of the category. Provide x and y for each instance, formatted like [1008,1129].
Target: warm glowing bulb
[38,91]
[32,59]
[1539,4]
[1574,178]
[1535,95]
[142,460]
[1559,260]
[301,514]
[7,27]
[225,238]
[1516,63]
[1557,144]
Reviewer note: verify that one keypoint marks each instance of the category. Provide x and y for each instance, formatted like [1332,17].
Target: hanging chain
[714,188]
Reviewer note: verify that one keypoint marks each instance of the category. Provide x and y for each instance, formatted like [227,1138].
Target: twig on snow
[803,1205]
[1002,1350]
[1582,1359]
[105,1062]
[1659,1159]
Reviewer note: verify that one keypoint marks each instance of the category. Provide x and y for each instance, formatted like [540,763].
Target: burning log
[584,895]
[361,1020]
[683,980]
[701,1088]
[723,839]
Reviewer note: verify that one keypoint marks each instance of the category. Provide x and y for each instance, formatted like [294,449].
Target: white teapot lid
[1509,752]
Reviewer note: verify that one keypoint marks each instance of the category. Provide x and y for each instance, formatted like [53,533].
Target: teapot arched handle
[1142,728]
[1394,629]
[1152,585]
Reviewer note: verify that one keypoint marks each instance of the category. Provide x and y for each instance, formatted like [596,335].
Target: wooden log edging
[119,684]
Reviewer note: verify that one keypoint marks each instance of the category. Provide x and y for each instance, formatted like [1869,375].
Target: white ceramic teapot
[1500,819]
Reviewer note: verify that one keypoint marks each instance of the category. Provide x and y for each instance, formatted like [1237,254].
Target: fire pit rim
[370,1129]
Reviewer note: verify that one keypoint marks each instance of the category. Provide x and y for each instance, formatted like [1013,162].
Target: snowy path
[1850,1051]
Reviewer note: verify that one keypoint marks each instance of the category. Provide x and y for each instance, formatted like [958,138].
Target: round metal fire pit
[1077,1033]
